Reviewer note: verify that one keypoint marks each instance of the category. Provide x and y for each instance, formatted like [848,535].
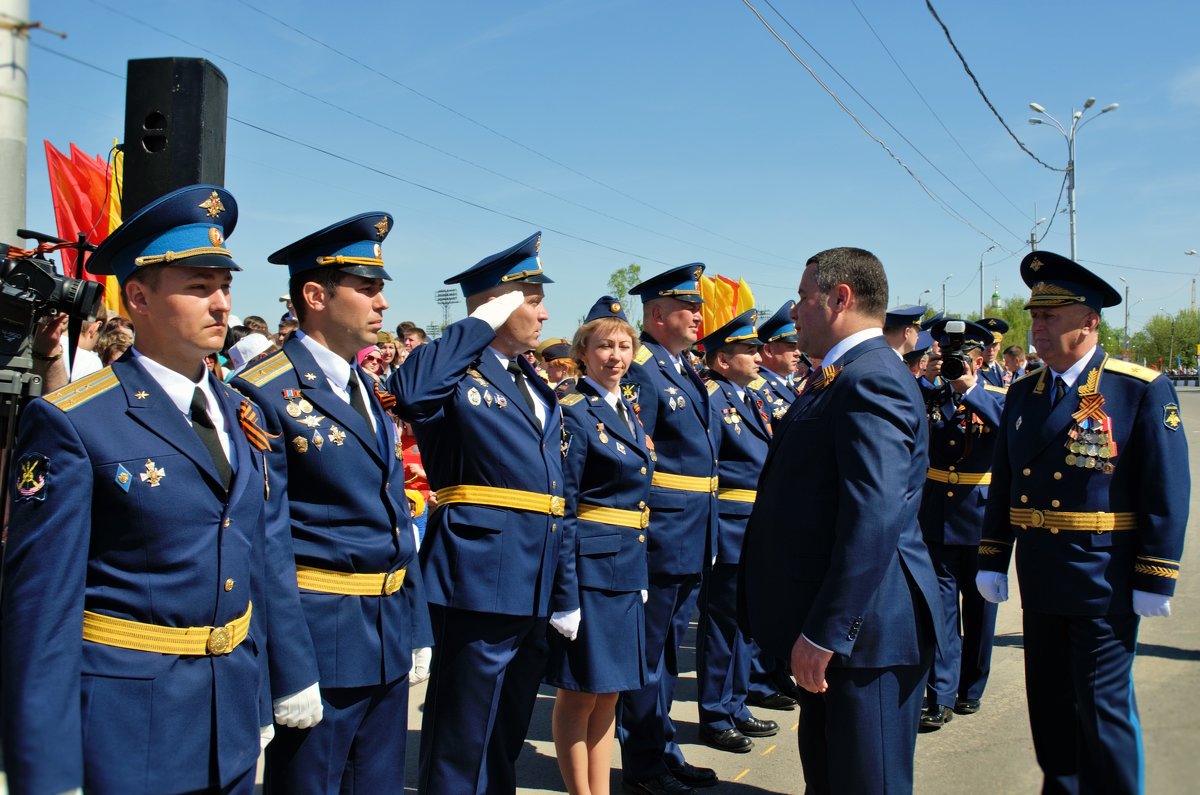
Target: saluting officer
[674,408]
[134,592]
[992,371]
[723,655]
[779,354]
[491,442]
[1091,484]
[963,423]
[340,497]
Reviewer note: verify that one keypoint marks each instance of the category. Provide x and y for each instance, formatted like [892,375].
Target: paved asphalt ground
[990,752]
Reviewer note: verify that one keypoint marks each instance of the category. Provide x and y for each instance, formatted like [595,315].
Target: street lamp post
[1191,252]
[981,304]
[1069,134]
[1033,240]
[948,278]
[924,293]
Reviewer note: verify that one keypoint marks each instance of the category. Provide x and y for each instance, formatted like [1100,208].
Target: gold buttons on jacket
[229,584]
[1024,499]
[1058,476]
[641,539]
[1026,472]
[643,470]
[553,526]
[642,504]
[227,522]
[1055,503]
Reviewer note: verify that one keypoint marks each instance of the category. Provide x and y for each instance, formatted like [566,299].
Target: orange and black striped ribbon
[258,438]
[386,399]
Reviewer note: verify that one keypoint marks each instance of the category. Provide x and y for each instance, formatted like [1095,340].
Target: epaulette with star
[1131,369]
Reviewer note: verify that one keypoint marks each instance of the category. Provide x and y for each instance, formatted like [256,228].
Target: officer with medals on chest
[963,422]
[674,408]
[606,471]
[779,354]
[723,655]
[134,593]
[492,446]
[993,371]
[340,496]
[1091,485]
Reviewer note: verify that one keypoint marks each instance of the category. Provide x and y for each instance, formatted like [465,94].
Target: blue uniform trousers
[963,661]
[722,653]
[644,724]
[483,683]
[1082,709]
[861,734]
[242,785]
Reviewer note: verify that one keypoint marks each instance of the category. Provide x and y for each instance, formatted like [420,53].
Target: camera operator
[48,345]
[963,419]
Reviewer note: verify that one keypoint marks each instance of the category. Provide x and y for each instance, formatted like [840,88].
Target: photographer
[962,432]
[48,361]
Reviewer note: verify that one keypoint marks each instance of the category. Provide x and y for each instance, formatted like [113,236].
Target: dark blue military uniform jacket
[340,496]
[833,549]
[674,410]
[1081,571]
[745,435]
[117,509]
[962,441]
[607,466]
[476,430]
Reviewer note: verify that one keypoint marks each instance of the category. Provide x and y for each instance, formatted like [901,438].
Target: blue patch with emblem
[32,470]
[1171,417]
[630,392]
[124,478]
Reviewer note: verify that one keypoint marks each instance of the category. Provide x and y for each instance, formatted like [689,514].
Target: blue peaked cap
[679,283]
[350,246]
[519,264]
[606,306]
[186,228]
[909,315]
[739,330]
[1058,281]
[779,327]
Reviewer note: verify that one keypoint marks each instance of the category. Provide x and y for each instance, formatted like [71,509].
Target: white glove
[566,623]
[1151,605]
[265,735]
[420,665]
[645,596]
[993,586]
[496,311]
[76,791]
[301,710]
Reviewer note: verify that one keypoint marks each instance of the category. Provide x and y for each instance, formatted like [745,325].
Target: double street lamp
[1069,135]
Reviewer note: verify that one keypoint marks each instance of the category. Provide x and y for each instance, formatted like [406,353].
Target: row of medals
[1090,449]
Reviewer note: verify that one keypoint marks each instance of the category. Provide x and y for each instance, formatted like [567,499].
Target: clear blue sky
[682,131]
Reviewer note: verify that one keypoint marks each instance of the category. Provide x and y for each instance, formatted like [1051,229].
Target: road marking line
[769,750]
[739,775]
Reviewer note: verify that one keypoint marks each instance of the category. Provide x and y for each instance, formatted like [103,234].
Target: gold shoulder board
[643,355]
[712,387]
[268,370]
[571,399]
[1131,369]
[1001,389]
[1028,374]
[757,383]
[76,393]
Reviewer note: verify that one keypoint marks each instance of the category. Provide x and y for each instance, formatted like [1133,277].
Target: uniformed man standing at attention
[134,591]
[341,499]
[492,445]
[780,354]
[1091,484]
[673,406]
[723,655]
[964,418]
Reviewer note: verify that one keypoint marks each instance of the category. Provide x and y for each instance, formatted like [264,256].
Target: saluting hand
[808,665]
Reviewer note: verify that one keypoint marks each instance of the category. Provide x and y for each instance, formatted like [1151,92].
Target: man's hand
[968,380]
[301,710]
[496,311]
[1151,605]
[992,586]
[808,665]
[265,735]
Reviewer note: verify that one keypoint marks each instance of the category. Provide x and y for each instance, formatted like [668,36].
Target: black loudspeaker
[175,116]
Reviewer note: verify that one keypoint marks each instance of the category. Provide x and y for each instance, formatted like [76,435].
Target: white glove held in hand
[497,310]
[301,710]
[993,586]
[265,735]
[1151,605]
[645,596]
[566,623]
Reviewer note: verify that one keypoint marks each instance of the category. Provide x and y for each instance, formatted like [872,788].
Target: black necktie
[624,412]
[1060,389]
[749,401]
[203,425]
[356,398]
[522,385]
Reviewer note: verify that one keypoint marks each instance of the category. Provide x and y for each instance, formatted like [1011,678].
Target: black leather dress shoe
[728,740]
[966,706]
[936,718]
[774,701]
[694,776]
[753,727]
[659,785]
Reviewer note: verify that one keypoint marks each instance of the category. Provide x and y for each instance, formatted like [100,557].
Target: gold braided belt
[501,498]
[637,520]
[347,584]
[965,478]
[1072,520]
[683,482]
[737,495]
[126,634]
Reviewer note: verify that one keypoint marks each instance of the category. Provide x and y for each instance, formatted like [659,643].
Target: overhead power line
[979,88]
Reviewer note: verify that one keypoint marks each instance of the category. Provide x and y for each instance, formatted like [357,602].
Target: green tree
[620,282]
[1168,338]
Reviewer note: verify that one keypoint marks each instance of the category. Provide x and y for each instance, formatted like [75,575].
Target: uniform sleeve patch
[1171,417]
[32,471]
[630,392]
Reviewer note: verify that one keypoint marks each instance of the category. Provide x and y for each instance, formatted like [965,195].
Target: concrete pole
[14,115]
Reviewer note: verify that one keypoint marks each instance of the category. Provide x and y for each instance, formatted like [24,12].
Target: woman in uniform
[607,468]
